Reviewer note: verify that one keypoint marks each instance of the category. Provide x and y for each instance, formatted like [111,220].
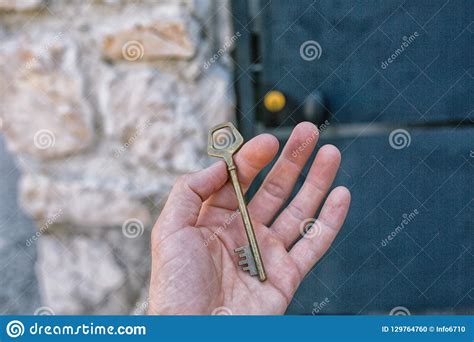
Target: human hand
[194,268]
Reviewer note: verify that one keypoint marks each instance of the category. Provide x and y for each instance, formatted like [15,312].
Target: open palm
[194,267]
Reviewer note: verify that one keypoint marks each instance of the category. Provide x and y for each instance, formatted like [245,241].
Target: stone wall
[104,104]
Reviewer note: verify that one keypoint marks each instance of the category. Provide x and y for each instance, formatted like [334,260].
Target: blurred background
[105,102]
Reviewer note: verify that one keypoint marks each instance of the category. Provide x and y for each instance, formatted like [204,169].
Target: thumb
[189,192]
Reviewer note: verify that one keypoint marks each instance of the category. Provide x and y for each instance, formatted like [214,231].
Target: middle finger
[279,182]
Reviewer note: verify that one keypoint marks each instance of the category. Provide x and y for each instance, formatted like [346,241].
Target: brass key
[224,140]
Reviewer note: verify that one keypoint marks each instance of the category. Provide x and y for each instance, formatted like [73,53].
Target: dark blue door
[394,80]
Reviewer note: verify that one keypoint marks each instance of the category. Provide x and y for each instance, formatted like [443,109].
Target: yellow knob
[274,101]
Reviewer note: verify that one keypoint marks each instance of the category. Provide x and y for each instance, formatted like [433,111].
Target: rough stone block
[76,202]
[145,104]
[105,104]
[171,33]
[77,274]
[46,113]
[20,5]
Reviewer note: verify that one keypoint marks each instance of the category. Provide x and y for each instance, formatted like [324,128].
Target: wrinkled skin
[194,267]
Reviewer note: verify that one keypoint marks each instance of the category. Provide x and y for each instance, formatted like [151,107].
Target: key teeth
[247,262]
[240,250]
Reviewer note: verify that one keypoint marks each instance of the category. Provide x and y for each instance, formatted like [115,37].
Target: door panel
[387,61]
[387,254]
[428,262]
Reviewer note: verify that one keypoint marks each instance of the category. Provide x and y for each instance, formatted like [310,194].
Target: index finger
[249,160]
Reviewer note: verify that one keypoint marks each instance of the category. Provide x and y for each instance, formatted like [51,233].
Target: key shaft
[247,222]
[223,141]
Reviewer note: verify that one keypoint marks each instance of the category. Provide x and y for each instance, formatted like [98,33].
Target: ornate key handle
[224,140]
